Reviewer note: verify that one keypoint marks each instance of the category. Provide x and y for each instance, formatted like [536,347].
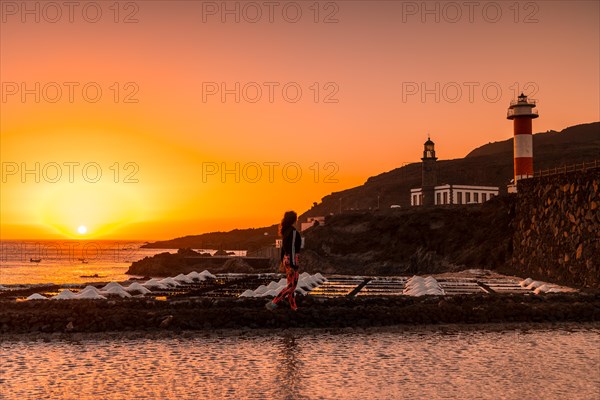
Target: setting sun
[82,230]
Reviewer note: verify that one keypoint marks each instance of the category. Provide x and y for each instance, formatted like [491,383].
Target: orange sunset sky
[158,125]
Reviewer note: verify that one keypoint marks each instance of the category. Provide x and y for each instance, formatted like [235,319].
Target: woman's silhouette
[290,247]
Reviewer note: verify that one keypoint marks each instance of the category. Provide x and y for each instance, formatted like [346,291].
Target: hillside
[491,164]
[237,239]
[413,241]
[546,144]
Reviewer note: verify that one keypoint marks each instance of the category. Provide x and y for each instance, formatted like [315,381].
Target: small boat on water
[35,260]
[92,276]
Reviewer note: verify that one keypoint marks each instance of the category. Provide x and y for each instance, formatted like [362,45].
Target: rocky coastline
[188,260]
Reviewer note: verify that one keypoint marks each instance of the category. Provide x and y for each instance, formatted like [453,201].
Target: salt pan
[90,288]
[111,285]
[306,282]
[118,291]
[183,278]
[261,289]
[195,275]
[37,296]
[419,286]
[535,285]
[90,295]
[65,295]
[155,284]
[207,274]
[136,287]
[526,282]
[170,282]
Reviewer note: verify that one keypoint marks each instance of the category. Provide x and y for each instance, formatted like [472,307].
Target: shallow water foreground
[485,361]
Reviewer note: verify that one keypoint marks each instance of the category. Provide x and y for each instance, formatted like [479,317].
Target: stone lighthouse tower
[429,173]
[522,112]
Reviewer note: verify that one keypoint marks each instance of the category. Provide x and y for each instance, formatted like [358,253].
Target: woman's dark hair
[289,219]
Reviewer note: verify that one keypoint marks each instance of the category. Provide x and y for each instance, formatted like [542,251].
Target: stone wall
[557,228]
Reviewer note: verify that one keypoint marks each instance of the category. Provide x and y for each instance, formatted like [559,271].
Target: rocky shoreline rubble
[207,314]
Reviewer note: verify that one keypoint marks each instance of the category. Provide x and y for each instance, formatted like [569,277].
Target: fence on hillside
[567,169]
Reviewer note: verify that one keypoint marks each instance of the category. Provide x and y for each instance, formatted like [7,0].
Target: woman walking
[290,247]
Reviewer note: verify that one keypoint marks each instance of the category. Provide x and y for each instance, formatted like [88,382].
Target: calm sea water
[62,261]
[426,363]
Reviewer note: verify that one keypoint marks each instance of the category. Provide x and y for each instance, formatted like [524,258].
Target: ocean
[68,261]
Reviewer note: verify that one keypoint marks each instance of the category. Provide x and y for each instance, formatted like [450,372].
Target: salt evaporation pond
[483,362]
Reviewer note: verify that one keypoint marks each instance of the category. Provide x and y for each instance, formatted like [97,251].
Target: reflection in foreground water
[450,362]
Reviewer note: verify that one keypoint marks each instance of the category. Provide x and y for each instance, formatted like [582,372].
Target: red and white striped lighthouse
[522,112]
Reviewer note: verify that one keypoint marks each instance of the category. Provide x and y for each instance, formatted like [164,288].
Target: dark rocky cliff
[415,241]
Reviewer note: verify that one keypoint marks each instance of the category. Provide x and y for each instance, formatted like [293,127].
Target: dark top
[286,245]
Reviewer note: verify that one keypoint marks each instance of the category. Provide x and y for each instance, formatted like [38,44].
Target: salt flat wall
[557,228]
